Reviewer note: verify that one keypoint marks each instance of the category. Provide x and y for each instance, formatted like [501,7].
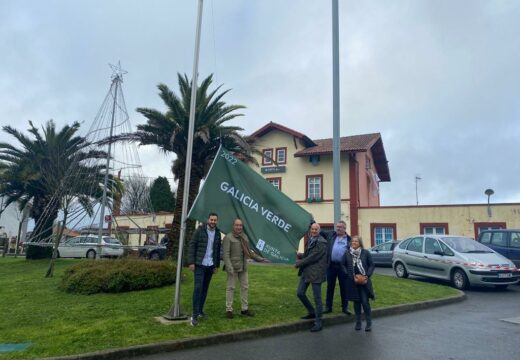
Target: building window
[314,189]
[438,230]
[433,229]
[281,155]
[479,226]
[381,233]
[276,182]
[368,164]
[267,158]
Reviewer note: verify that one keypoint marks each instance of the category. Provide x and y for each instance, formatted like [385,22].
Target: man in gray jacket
[313,271]
[236,253]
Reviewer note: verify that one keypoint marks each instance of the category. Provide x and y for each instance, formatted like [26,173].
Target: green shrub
[113,276]
[36,252]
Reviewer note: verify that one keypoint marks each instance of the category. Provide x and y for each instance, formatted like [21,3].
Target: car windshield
[466,245]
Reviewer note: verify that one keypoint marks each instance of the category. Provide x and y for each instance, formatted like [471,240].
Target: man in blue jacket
[339,242]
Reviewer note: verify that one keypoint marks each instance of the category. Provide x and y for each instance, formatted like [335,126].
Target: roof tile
[347,143]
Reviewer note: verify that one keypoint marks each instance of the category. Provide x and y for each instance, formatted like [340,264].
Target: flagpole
[174,313]
[335,113]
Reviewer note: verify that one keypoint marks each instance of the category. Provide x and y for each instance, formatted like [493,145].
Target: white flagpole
[174,313]
[335,113]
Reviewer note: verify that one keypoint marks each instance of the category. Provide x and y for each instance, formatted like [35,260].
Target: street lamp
[417,178]
[489,192]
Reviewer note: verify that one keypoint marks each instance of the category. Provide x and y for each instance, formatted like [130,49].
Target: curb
[175,345]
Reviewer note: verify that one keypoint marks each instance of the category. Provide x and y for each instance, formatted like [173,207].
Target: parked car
[153,252]
[382,254]
[504,242]
[88,246]
[461,260]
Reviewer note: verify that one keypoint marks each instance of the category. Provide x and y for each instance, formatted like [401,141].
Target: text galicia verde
[253,205]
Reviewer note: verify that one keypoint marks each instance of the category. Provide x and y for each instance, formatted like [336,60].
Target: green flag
[273,222]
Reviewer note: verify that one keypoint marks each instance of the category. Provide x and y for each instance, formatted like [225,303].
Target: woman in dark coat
[358,261]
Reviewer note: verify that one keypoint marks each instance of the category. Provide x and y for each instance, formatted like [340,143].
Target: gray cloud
[438,79]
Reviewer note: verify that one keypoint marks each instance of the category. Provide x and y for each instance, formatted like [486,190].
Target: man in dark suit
[339,242]
[312,269]
[203,260]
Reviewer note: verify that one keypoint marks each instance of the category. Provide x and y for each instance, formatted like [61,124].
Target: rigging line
[101,112]
[76,214]
[214,44]
[129,165]
[145,177]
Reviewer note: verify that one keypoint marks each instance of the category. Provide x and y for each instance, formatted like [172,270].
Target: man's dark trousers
[316,292]
[202,276]
[334,272]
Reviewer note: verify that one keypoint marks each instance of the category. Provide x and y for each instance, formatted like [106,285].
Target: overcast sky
[438,79]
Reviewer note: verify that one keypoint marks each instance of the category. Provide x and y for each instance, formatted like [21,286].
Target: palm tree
[169,131]
[51,171]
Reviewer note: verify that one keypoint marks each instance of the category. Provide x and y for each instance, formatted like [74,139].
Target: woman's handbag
[360,279]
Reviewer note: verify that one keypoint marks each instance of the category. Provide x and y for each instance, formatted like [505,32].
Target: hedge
[36,252]
[113,276]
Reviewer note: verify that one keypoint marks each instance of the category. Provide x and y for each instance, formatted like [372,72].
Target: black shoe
[229,314]
[358,326]
[308,316]
[247,313]
[328,311]
[346,312]
[316,327]
[368,327]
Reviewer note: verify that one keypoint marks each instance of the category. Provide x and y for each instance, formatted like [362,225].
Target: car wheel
[155,256]
[459,279]
[91,254]
[400,271]
[501,287]
[58,254]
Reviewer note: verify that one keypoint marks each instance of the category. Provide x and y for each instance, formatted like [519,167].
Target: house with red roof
[301,167]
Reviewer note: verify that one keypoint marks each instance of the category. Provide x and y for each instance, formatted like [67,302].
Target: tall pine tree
[161,195]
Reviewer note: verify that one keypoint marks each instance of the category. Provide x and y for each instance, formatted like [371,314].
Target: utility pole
[417,178]
[489,192]
[175,310]
[336,154]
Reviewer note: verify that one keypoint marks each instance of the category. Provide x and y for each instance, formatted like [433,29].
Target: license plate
[505,275]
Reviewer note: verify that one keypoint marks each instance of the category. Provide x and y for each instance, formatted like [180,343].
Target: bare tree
[136,197]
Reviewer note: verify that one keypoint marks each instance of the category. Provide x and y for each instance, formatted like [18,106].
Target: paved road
[472,329]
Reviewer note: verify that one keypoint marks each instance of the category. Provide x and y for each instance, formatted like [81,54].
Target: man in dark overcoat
[204,261]
[313,271]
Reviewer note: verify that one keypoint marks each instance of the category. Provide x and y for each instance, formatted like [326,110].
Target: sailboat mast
[115,86]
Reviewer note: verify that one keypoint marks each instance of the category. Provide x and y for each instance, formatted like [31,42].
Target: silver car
[461,260]
[88,246]
[382,254]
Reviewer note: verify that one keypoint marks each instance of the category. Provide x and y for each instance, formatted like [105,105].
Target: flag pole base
[175,318]
[171,321]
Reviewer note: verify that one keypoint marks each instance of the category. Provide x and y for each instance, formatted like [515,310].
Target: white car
[88,246]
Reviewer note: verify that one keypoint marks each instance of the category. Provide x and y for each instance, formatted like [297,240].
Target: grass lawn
[57,323]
